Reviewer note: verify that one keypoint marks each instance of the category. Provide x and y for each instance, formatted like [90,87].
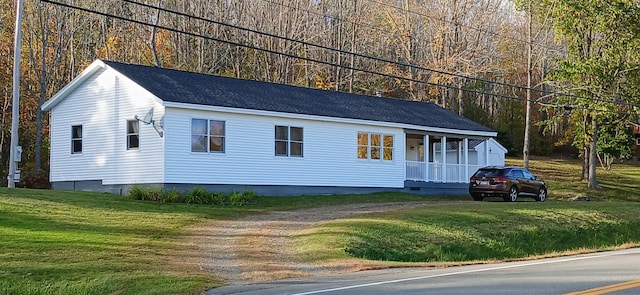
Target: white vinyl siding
[329,154]
[101,104]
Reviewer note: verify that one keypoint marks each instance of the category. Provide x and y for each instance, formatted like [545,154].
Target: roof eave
[77,81]
[179,105]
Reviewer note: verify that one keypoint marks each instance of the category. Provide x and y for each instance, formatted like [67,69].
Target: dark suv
[506,182]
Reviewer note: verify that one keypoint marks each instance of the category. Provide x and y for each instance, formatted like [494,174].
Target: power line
[373,27]
[310,59]
[334,49]
[482,30]
[275,52]
[462,25]
[325,47]
[543,92]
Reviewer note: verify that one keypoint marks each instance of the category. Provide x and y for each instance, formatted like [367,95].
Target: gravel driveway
[254,248]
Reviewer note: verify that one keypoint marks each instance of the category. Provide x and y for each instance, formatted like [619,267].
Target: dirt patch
[254,248]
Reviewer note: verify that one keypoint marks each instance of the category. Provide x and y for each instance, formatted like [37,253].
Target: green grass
[83,243]
[475,231]
[57,242]
[563,179]
[494,230]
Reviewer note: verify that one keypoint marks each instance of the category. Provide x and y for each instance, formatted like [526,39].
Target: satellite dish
[148,120]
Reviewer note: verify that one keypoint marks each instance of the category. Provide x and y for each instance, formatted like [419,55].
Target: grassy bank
[494,230]
[55,242]
[475,232]
[82,243]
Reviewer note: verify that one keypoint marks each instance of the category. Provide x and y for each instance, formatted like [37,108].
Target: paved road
[615,272]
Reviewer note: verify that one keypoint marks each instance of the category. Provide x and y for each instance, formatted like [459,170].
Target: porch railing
[433,172]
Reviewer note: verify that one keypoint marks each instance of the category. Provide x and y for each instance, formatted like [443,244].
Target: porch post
[486,152]
[425,150]
[465,146]
[443,155]
[404,138]
[459,162]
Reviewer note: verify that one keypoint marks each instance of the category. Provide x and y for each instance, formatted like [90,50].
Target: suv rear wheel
[513,194]
[542,194]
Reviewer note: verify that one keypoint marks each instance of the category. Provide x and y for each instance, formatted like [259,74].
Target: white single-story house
[118,125]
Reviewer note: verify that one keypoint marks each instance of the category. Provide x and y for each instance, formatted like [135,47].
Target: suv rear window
[489,173]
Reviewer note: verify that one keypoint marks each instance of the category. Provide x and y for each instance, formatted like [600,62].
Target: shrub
[172,196]
[154,194]
[137,193]
[194,196]
[239,199]
[35,179]
[250,197]
[197,196]
[146,194]
[218,199]
[235,198]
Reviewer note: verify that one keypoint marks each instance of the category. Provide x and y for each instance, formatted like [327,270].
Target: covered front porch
[462,156]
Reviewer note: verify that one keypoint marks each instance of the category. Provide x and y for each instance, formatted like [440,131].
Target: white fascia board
[327,119]
[77,81]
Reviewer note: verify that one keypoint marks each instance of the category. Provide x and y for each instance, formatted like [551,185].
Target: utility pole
[15,108]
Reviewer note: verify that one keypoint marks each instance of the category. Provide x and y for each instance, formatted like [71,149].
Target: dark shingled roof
[202,89]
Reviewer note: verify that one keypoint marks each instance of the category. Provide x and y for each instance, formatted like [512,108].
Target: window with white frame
[76,139]
[133,134]
[207,136]
[288,141]
[375,146]
[638,141]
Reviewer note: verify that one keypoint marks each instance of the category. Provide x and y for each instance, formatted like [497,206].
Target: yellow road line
[608,289]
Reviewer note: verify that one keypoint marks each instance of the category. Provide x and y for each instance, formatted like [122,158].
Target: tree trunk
[593,181]
[460,99]
[154,30]
[586,153]
[527,125]
[354,30]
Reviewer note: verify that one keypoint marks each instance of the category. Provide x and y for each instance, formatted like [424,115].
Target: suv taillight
[500,179]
